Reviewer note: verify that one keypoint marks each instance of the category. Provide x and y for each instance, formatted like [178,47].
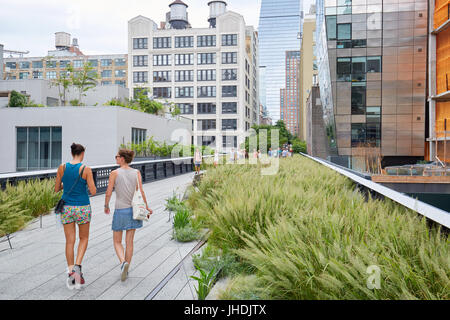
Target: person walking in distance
[75,179]
[216,158]
[197,160]
[125,181]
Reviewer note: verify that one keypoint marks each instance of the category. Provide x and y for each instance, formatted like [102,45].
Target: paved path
[36,267]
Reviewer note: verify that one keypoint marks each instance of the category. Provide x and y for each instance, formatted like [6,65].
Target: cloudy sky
[99,25]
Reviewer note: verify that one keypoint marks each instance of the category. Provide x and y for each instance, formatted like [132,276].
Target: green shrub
[17,100]
[187,233]
[310,234]
[205,282]
[181,218]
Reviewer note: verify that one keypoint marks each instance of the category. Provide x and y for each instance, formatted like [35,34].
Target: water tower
[178,15]
[216,8]
[62,40]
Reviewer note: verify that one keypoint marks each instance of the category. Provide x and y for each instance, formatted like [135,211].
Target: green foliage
[310,234]
[25,201]
[187,233]
[173,203]
[75,103]
[285,137]
[142,103]
[84,80]
[299,146]
[17,100]
[181,218]
[205,282]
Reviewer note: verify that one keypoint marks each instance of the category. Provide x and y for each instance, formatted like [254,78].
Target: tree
[17,100]
[84,80]
[63,81]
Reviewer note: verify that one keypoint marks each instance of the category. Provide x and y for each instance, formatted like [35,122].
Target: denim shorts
[123,220]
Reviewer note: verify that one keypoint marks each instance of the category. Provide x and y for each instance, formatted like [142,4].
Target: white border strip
[440,216]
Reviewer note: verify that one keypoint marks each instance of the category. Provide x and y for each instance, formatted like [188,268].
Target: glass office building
[375,53]
[279,28]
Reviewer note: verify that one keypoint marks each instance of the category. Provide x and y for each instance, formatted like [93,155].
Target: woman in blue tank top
[75,179]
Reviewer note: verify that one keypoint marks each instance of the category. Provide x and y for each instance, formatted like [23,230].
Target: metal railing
[151,170]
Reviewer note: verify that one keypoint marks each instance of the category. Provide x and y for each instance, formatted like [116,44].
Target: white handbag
[139,208]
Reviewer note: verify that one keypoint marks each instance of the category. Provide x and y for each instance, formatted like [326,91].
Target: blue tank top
[79,195]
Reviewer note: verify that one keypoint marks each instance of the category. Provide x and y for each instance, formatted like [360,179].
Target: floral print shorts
[78,214]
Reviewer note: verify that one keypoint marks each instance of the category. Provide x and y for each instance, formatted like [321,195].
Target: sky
[99,25]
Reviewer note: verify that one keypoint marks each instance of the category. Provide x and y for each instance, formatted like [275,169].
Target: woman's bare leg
[70,232]
[83,230]
[117,238]
[129,239]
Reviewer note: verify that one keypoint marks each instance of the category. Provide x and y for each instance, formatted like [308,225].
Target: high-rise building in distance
[289,95]
[279,31]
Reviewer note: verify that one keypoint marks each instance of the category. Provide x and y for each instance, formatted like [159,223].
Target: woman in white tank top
[124,181]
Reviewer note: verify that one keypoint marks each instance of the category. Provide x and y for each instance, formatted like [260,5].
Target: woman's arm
[59,175]
[143,193]
[109,191]
[89,177]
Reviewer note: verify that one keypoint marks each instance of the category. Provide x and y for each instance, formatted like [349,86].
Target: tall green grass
[309,234]
[21,203]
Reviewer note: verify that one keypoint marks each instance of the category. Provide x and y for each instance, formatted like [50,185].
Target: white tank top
[125,186]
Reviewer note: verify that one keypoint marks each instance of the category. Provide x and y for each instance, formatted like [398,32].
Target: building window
[162,76]
[206,108]
[164,92]
[229,74]
[184,42]
[358,97]
[184,92]
[38,148]
[229,107]
[64,63]
[162,42]
[37,75]
[106,83]
[207,91]
[140,61]
[24,75]
[106,62]
[140,43]
[229,124]
[11,65]
[24,65]
[208,124]
[93,63]
[206,75]
[50,75]
[229,91]
[138,76]
[206,41]
[38,64]
[184,59]
[184,75]
[138,136]
[119,62]
[120,73]
[186,108]
[121,83]
[162,60]
[358,68]
[206,58]
[344,31]
[78,63]
[50,64]
[229,141]
[106,73]
[374,64]
[229,40]
[331,27]
[229,57]
[206,141]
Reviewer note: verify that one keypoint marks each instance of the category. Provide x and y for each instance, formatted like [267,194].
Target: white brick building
[210,73]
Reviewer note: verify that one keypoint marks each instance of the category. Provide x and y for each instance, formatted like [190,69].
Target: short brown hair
[128,155]
[77,149]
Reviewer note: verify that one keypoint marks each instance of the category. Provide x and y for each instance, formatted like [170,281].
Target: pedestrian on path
[125,181]
[75,179]
[197,160]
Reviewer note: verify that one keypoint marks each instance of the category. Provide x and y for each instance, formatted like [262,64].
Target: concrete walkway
[36,267]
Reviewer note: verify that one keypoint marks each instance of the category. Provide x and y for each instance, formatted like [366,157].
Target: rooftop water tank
[216,8]
[62,40]
[178,15]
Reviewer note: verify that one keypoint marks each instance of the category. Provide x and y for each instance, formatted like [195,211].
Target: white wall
[100,129]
